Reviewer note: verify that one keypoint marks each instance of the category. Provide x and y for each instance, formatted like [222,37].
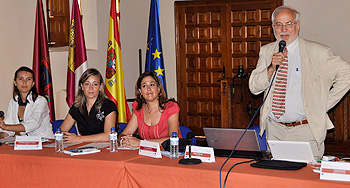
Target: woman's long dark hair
[161,95]
[32,90]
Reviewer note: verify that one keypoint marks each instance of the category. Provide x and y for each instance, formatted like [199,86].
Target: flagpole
[140,62]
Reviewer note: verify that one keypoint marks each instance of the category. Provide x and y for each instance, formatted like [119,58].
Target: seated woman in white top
[28,112]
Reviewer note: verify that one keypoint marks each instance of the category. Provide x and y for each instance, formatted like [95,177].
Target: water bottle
[59,141]
[113,141]
[174,146]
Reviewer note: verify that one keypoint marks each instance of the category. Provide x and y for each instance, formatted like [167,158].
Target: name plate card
[150,149]
[339,171]
[28,143]
[205,154]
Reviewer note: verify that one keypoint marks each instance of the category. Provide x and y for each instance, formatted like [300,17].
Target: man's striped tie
[279,93]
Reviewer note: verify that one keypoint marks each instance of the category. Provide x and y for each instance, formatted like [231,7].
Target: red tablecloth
[45,168]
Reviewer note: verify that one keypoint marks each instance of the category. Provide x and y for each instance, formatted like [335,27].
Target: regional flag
[41,60]
[77,60]
[154,52]
[114,86]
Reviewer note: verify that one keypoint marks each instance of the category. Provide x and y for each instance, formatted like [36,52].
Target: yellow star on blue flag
[156,54]
[159,71]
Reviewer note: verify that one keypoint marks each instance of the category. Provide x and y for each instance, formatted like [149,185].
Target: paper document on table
[52,145]
[125,148]
[7,140]
[167,153]
[98,145]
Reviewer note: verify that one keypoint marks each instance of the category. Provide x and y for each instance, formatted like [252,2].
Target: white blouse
[36,120]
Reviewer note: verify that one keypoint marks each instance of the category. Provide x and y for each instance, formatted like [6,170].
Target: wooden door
[58,22]
[211,35]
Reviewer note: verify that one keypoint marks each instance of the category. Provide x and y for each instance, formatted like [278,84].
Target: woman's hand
[129,141]
[3,125]
[70,138]
[3,135]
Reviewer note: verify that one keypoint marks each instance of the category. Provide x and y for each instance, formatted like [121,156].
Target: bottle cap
[58,129]
[112,129]
[174,133]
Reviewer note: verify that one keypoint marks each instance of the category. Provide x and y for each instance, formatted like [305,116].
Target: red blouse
[161,129]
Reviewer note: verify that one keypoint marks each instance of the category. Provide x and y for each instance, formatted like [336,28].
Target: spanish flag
[114,86]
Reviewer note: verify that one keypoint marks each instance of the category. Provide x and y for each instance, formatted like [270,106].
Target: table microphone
[189,160]
[281,46]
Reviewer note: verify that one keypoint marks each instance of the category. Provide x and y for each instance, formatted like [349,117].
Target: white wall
[321,20]
[326,22]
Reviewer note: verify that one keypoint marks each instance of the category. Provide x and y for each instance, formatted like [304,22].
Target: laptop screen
[222,138]
[291,151]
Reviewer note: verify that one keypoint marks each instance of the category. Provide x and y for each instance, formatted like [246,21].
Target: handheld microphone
[281,45]
[2,115]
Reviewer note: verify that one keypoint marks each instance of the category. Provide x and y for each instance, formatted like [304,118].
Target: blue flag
[154,55]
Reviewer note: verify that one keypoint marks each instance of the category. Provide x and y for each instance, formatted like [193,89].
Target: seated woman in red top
[154,116]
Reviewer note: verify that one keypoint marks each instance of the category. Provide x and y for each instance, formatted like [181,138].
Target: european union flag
[154,55]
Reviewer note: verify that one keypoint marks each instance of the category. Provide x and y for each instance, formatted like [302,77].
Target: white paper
[205,154]
[7,140]
[52,145]
[28,143]
[125,148]
[150,149]
[98,145]
[167,153]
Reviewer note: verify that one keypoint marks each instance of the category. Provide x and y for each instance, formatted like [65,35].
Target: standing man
[310,80]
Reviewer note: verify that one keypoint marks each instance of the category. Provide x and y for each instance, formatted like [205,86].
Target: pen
[75,151]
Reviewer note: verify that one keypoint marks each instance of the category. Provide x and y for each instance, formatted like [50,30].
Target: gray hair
[280,8]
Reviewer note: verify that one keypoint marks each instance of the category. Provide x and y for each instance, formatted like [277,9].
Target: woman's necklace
[149,110]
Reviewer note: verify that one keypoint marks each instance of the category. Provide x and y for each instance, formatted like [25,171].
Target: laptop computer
[291,151]
[223,140]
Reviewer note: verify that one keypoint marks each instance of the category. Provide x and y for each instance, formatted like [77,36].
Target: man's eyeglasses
[288,25]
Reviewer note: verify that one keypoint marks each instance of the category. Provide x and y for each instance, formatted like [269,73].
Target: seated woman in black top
[94,113]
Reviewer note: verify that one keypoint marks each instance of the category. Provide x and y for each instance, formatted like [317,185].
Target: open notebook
[291,151]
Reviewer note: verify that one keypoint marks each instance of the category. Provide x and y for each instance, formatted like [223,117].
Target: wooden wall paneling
[250,28]
[201,45]
[230,33]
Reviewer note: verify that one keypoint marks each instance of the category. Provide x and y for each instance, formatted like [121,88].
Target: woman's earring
[141,96]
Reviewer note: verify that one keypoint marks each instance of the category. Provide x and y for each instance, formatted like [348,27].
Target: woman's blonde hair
[80,99]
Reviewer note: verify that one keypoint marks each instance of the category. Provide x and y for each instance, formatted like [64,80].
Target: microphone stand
[189,160]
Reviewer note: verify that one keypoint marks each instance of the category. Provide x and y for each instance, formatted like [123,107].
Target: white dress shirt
[294,110]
